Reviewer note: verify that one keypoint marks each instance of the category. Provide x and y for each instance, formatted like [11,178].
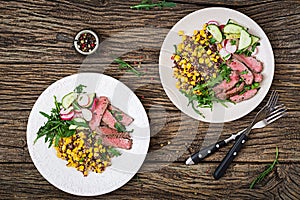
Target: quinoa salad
[217,64]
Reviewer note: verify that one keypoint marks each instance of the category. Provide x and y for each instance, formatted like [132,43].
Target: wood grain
[175,181]
[36,50]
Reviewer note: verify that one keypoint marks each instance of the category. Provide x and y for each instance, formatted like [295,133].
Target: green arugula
[79,88]
[266,172]
[54,128]
[120,127]
[125,65]
[114,152]
[148,4]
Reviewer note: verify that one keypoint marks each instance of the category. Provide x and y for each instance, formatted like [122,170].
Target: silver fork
[262,114]
[278,112]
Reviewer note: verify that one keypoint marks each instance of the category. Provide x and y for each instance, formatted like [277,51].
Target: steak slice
[224,85]
[247,95]
[245,73]
[258,77]
[112,133]
[98,111]
[235,90]
[109,119]
[122,117]
[251,62]
[117,142]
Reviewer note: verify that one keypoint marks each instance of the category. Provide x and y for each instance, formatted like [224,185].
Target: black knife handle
[207,151]
[221,169]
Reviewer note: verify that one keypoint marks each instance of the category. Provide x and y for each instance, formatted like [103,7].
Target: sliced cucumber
[72,127]
[80,124]
[254,39]
[232,36]
[231,21]
[76,106]
[68,99]
[91,97]
[215,31]
[245,40]
[233,28]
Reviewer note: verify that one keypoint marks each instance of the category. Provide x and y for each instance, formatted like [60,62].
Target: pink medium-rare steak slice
[235,90]
[109,119]
[98,111]
[245,73]
[258,77]
[109,132]
[122,117]
[247,95]
[117,142]
[224,85]
[251,62]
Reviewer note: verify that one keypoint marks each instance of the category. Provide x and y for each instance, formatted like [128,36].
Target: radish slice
[68,116]
[213,22]
[224,54]
[64,111]
[221,27]
[83,100]
[230,48]
[224,42]
[87,114]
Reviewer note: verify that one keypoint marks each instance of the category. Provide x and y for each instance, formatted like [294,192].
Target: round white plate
[123,168]
[195,21]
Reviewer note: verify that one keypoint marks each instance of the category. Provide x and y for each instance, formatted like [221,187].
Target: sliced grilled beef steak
[247,95]
[98,111]
[251,62]
[117,142]
[224,85]
[122,117]
[258,77]
[109,119]
[245,73]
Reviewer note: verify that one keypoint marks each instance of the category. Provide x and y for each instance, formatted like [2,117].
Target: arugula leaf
[212,40]
[256,44]
[244,72]
[114,151]
[120,127]
[266,172]
[148,4]
[125,65]
[79,88]
[233,42]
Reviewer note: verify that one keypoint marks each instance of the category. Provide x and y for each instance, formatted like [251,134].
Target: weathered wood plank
[175,181]
[29,29]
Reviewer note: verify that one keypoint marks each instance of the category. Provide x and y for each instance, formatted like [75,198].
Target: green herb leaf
[113,151]
[124,65]
[254,46]
[120,127]
[79,88]
[147,5]
[212,40]
[244,72]
[266,172]
[233,42]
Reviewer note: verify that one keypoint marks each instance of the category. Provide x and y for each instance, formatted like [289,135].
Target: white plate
[123,168]
[195,21]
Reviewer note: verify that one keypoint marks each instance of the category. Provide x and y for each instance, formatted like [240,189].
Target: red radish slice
[224,42]
[68,116]
[230,48]
[221,27]
[213,22]
[87,114]
[83,100]
[224,54]
[64,111]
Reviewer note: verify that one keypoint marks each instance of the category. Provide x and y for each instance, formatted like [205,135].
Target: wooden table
[35,51]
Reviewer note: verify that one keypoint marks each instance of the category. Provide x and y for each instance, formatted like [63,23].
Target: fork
[263,113]
[278,112]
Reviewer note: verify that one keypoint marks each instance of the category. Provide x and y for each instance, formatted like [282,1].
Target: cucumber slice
[254,39]
[76,106]
[215,31]
[245,40]
[233,28]
[231,21]
[68,99]
[232,36]
[91,97]
[72,127]
[81,124]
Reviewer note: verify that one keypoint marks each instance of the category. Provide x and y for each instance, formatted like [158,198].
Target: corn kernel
[195,32]
[177,58]
[207,60]
[193,83]
[214,75]
[180,33]
[201,60]
[208,52]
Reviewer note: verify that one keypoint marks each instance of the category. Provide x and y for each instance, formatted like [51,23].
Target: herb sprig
[266,172]
[54,128]
[125,65]
[148,4]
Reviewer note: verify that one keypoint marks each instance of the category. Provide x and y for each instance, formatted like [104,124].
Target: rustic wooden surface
[35,51]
